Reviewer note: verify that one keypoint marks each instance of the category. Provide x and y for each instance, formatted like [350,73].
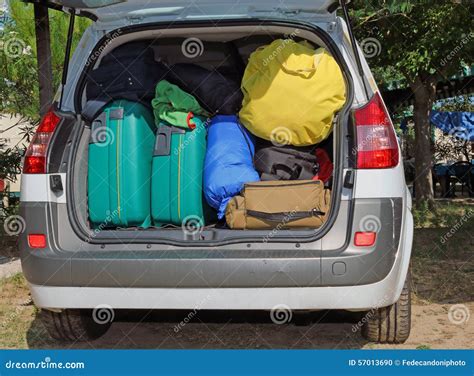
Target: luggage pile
[180,143]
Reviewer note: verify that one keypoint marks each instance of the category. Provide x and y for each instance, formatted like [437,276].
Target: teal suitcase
[178,163]
[119,171]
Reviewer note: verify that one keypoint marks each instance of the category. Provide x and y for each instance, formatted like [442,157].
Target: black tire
[73,325]
[390,324]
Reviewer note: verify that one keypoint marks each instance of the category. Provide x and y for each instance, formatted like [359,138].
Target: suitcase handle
[93,108]
[163,139]
[98,129]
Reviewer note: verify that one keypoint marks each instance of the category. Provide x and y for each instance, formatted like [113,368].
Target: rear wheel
[390,324]
[73,325]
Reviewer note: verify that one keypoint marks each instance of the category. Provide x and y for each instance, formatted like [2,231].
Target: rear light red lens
[49,122]
[37,240]
[35,157]
[364,239]
[34,165]
[377,145]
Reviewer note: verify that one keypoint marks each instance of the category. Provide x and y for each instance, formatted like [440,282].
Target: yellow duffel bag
[291,93]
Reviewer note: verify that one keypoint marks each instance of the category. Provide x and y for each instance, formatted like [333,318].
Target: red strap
[188,121]
[325,166]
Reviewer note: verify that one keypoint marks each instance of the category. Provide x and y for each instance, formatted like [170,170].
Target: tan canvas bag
[282,204]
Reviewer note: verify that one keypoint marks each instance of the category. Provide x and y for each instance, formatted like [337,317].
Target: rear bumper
[301,276]
[361,297]
[332,261]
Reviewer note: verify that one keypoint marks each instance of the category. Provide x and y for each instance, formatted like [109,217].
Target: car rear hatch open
[139,11]
[156,14]
[112,14]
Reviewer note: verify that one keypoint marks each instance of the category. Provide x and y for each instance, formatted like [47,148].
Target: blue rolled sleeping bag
[229,161]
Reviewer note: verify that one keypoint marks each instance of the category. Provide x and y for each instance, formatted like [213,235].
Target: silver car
[358,260]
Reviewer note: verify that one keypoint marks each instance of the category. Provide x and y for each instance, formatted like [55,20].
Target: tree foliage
[18,65]
[419,42]
[417,38]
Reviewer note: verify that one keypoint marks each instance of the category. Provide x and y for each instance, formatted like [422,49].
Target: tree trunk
[43,52]
[425,94]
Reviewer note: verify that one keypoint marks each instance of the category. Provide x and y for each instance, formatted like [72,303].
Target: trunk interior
[216,55]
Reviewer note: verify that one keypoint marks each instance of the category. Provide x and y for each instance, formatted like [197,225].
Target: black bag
[128,72]
[285,162]
[214,92]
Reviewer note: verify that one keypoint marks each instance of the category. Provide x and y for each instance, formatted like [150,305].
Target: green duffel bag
[120,157]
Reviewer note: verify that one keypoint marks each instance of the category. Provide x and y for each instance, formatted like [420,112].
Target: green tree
[10,167]
[421,42]
[19,91]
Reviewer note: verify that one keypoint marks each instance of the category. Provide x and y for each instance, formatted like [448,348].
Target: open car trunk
[167,43]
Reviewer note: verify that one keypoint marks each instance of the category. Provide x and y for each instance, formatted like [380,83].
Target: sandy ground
[431,328]
[9,268]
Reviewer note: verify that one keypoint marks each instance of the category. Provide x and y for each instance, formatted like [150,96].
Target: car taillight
[377,145]
[37,241]
[35,157]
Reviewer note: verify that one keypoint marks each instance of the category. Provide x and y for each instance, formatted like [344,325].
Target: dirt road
[431,329]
